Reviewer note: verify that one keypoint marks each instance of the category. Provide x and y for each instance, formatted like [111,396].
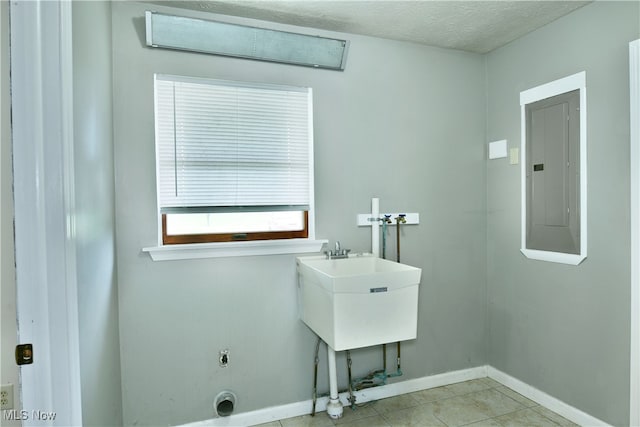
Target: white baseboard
[304,407]
[559,407]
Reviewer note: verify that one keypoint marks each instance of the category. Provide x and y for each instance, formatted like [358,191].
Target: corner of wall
[95,204]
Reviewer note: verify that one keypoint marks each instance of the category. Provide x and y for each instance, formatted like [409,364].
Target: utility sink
[358,301]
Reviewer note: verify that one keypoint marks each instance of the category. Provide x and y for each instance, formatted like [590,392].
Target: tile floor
[481,402]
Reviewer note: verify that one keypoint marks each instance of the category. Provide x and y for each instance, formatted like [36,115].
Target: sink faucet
[338,253]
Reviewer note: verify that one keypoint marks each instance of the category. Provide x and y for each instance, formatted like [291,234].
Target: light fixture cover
[219,38]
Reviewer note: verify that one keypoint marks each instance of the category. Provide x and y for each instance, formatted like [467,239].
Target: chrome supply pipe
[352,398]
[400,219]
[315,377]
[385,220]
[384,358]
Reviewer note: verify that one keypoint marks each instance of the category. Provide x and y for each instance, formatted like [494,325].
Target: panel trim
[567,84]
[558,257]
[556,87]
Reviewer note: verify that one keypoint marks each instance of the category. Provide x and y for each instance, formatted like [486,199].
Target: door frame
[45,242]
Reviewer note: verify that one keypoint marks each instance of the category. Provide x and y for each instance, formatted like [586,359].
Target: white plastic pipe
[375,224]
[334,407]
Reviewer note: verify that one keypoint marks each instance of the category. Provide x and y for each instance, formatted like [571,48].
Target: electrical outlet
[6,396]
[224,358]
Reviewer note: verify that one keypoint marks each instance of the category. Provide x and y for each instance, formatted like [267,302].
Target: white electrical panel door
[549,151]
[552,173]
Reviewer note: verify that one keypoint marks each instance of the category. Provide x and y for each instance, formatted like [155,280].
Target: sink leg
[334,407]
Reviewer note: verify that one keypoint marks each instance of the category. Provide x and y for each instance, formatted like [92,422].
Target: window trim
[234,249]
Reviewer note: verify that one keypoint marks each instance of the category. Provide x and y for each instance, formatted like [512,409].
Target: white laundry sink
[358,301]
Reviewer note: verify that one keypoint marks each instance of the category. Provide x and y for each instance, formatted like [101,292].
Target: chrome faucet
[338,253]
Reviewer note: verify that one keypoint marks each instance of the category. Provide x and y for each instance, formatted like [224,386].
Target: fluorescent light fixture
[218,38]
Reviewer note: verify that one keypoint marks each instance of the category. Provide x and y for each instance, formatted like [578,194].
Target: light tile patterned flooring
[481,402]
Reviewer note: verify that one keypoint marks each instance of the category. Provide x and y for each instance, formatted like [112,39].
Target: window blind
[226,146]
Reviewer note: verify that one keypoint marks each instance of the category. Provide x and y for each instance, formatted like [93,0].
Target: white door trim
[42,123]
[634,84]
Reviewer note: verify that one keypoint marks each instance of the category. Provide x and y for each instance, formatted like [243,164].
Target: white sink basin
[358,301]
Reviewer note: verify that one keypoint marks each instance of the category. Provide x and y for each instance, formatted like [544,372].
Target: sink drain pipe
[334,407]
[374,379]
[352,398]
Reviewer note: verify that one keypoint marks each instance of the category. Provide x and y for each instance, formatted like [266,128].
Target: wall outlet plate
[224,358]
[6,396]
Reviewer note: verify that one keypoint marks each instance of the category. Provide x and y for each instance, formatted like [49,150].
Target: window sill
[233,249]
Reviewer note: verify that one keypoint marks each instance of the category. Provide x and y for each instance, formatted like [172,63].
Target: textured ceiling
[474,26]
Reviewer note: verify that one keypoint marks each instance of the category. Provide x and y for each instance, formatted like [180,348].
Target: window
[234,160]
[554,171]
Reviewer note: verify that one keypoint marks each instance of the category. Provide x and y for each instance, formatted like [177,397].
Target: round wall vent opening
[225,403]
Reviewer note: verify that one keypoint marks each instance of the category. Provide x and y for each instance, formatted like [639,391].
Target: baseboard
[569,412]
[304,407]
[297,409]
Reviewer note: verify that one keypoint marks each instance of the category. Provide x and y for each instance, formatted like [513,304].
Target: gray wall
[95,209]
[8,369]
[565,329]
[404,123]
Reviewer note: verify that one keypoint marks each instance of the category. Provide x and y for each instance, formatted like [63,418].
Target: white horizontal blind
[226,145]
